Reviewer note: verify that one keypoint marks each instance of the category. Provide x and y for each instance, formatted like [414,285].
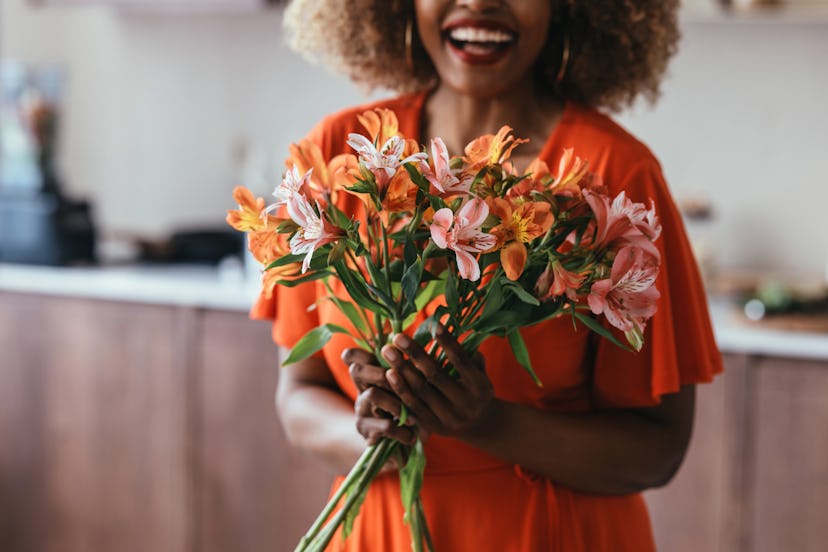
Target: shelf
[814,14]
[184,7]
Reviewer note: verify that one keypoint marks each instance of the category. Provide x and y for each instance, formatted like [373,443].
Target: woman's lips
[479,42]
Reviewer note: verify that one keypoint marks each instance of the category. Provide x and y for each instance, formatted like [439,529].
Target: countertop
[230,287]
[225,288]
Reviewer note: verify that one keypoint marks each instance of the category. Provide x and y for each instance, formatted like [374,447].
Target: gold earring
[564,61]
[409,39]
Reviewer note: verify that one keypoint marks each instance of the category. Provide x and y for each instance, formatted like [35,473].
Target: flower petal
[513,259]
[467,265]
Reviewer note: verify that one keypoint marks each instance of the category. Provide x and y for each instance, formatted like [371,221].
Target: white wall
[744,121]
[155,104]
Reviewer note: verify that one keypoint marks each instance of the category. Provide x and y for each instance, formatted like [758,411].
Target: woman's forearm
[608,452]
[316,417]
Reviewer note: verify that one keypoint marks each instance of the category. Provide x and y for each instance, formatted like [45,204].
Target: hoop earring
[564,61]
[409,39]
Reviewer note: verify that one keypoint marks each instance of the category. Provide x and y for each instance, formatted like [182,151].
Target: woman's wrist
[491,417]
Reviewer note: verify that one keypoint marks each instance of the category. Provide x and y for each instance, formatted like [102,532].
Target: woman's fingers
[469,368]
[374,429]
[362,366]
[377,403]
[416,355]
[377,413]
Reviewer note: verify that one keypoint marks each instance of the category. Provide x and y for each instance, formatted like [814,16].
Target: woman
[511,466]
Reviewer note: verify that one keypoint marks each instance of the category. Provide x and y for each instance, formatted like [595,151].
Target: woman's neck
[459,118]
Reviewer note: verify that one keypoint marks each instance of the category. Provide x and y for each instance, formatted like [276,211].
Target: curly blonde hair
[617,50]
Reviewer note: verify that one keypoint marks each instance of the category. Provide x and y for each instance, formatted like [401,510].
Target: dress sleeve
[679,347]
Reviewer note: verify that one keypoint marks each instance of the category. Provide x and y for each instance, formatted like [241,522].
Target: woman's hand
[439,402]
[377,408]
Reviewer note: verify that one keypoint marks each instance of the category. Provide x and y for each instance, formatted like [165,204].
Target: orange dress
[474,501]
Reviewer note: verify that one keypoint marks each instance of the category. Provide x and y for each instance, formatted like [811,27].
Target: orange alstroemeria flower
[572,171]
[381,124]
[400,195]
[519,224]
[248,217]
[556,281]
[491,149]
[326,180]
[267,245]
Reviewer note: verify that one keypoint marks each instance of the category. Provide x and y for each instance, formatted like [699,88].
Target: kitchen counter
[228,288]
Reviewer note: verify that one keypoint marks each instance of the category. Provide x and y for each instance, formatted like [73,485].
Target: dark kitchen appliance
[38,223]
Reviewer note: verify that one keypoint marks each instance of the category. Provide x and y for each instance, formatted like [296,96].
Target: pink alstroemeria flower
[461,233]
[290,185]
[314,231]
[383,162]
[622,219]
[628,297]
[441,175]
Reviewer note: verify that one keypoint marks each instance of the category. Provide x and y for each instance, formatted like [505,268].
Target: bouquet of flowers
[468,243]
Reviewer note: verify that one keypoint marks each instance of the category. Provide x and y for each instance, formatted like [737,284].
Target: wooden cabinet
[131,427]
[134,427]
[787,475]
[256,493]
[756,476]
[94,426]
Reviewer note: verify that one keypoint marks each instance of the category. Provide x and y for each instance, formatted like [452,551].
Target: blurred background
[136,398]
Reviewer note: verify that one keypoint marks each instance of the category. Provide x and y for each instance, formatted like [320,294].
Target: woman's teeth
[478,35]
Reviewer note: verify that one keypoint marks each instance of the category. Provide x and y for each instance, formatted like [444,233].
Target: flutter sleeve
[679,346]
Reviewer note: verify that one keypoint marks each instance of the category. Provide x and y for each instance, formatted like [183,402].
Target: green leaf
[363,187]
[312,342]
[350,311]
[411,282]
[411,479]
[432,289]
[337,252]
[416,177]
[378,278]
[452,291]
[494,298]
[522,354]
[598,328]
[401,236]
[339,218]
[425,331]
[285,260]
[304,279]
[500,322]
[287,227]
[358,290]
[522,294]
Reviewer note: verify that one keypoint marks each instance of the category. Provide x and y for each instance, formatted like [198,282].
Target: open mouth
[478,42]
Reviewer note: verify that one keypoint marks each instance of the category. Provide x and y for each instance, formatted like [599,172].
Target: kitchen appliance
[38,223]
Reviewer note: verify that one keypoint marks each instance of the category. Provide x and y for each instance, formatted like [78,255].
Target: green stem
[379,456]
[352,476]
[386,254]
[424,525]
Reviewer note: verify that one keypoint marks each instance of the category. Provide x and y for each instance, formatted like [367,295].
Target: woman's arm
[320,420]
[316,416]
[607,452]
